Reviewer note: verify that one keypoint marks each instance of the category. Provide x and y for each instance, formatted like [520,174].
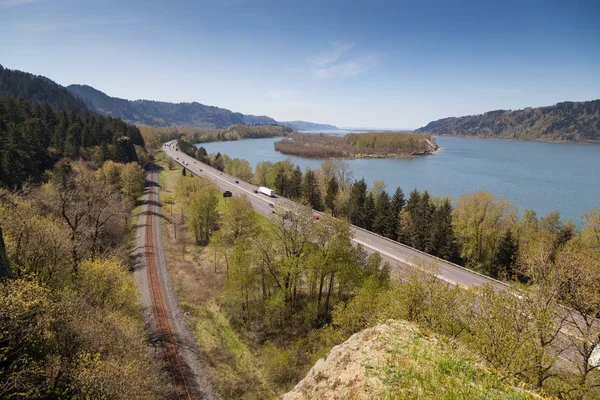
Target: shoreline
[519,140]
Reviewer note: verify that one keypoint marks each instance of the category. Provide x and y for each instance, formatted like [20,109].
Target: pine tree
[369,213]
[356,202]
[295,185]
[397,204]
[310,190]
[443,241]
[384,222]
[506,256]
[332,192]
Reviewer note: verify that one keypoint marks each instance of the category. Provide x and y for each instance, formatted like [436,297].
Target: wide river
[540,176]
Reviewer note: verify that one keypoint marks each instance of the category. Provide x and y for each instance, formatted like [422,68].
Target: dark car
[255,191]
[271,205]
[237,181]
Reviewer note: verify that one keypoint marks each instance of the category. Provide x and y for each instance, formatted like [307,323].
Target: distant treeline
[156,136]
[563,121]
[356,145]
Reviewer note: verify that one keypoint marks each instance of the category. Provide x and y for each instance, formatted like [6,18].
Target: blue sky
[383,64]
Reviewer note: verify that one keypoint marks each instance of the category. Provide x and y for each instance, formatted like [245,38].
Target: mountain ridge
[184,114]
[564,121]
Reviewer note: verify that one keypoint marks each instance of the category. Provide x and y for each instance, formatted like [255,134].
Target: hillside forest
[566,121]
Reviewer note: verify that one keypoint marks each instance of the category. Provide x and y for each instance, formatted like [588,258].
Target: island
[358,145]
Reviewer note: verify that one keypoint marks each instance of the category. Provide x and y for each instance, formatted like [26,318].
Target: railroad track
[177,368]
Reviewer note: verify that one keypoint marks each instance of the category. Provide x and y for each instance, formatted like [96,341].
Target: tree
[355,205]
[376,189]
[261,171]
[203,214]
[480,221]
[369,213]
[310,190]
[183,172]
[396,206]
[4,265]
[132,180]
[384,222]
[590,235]
[295,184]
[331,195]
[443,240]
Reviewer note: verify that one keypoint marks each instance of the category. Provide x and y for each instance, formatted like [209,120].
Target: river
[541,176]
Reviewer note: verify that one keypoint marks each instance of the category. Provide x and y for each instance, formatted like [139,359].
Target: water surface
[541,176]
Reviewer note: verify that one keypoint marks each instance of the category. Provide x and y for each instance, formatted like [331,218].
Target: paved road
[398,255]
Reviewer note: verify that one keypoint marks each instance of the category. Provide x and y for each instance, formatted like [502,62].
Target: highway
[398,255]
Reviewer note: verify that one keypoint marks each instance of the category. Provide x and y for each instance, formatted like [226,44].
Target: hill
[572,121]
[164,114]
[397,360]
[41,122]
[38,89]
[308,126]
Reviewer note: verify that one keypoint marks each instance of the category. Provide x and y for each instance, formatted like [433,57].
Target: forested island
[358,145]
[566,121]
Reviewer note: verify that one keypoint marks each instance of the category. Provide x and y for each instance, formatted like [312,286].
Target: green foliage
[563,121]
[353,145]
[32,139]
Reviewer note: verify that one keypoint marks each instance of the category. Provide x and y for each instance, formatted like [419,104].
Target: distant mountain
[573,121]
[158,113]
[38,90]
[308,126]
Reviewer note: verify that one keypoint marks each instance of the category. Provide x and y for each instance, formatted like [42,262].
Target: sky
[370,64]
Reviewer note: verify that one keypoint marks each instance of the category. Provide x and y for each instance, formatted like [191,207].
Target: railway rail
[177,368]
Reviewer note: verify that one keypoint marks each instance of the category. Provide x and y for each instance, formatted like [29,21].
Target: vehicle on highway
[237,181]
[316,217]
[266,191]
[271,205]
[255,190]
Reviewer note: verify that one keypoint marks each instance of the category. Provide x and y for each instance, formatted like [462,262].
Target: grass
[236,371]
[419,367]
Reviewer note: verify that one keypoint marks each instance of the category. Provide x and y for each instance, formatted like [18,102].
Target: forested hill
[41,122]
[573,121]
[163,114]
[38,90]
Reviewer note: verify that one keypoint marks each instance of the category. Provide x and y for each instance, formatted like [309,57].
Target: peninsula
[358,145]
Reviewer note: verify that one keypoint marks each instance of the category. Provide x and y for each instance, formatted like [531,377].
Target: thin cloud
[41,27]
[10,3]
[324,59]
[347,68]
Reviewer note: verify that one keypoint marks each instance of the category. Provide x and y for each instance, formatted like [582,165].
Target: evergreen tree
[332,192]
[310,190]
[443,241]
[506,256]
[356,203]
[384,222]
[369,213]
[397,204]
[183,172]
[295,185]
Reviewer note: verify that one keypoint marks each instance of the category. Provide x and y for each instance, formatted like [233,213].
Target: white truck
[266,191]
